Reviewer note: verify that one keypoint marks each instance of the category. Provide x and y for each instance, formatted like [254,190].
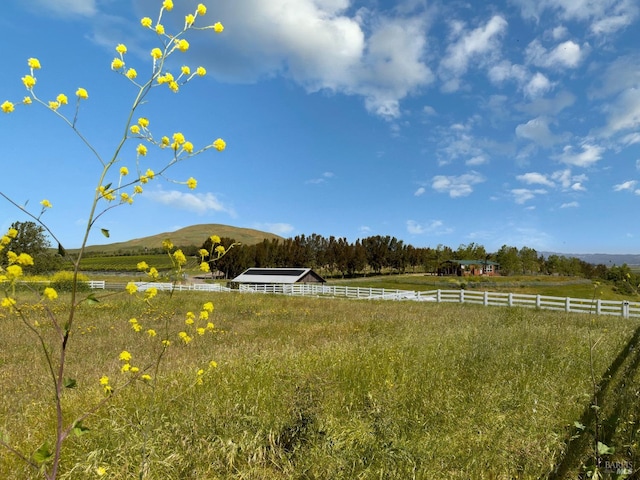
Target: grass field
[325,388]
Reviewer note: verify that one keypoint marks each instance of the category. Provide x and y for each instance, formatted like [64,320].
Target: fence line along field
[332,388]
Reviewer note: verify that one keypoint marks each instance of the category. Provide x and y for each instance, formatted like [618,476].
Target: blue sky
[510,122]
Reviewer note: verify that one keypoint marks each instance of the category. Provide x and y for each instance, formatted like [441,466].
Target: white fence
[620,308]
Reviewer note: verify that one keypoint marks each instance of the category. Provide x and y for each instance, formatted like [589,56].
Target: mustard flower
[182,45]
[189,19]
[204,267]
[160,29]
[213,364]
[218,27]
[156,53]
[136,327]
[150,293]
[184,337]
[203,252]
[121,49]
[146,377]
[146,22]
[125,367]
[220,250]
[201,71]
[104,380]
[150,173]
[166,343]
[204,315]
[125,198]
[117,64]
[142,266]
[131,74]
[124,171]
[153,272]
[188,147]
[144,179]
[12,233]
[167,5]
[62,99]
[185,70]
[165,142]
[200,331]
[189,321]
[34,63]
[101,471]
[133,321]
[192,183]
[214,238]
[12,257]
[191,316]
[8,302]
[201,9]
[151,332]
[142,150]
[27,100]
[208,306]
[167,245]
[54,105]
[131,288]
[220,144]
[179,257]
[124,356]
[210,326]
[46,203]
[13,271]
[82,93]
[7,106]
[29,81]
[135,129]
[24,259]
[137,189]
[143,122]
[178,138]
[174,87]
[50,293]
[5,240]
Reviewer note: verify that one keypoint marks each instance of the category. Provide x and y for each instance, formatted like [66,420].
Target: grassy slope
[193,235]
[321,388]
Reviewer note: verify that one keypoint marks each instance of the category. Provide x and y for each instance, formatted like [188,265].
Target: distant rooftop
[279,275]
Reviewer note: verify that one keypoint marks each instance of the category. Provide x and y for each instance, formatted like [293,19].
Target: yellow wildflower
[12,233]
[124,171]
[27,100]
[46,203]
[125,367]
[208,306]
[131,74]
[188,147]
[29,81]
[153,272]
[179,256]
[62,99]
[146,377]
[117,64]
[167,245]
[82,93]
[143,122]
[101,471]
[174,87]
[182,45]
[24,259]
[142,266]
[160,29]
[146,22]
[166,343]
[7,106]
[150,293]
[104,380]
[189,19]
[201,71]
[151,332]
[220,250]
[186,70]
[192,183]
[137,189]
[8,302]
[131,288]
[204,267]
[142,150]
[150,173]
[50,293]
[178,138]
[156,53]
[54,105]
[210,326]
[189,321]
[200,330]
[5,240]
[201,9]
[164,141]
[214,238]
[213,364]
[135,369]
[121,49]
[167,5]
[204,315]
[13,271]
[135,129]
[33,63]
[220,144]
[124,356]
[218,27]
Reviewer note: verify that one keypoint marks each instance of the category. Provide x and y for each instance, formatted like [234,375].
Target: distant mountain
[193,235]
[607,259]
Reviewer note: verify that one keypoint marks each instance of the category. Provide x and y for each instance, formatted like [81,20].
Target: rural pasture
[332,388]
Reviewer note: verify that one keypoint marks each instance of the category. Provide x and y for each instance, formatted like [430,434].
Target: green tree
[31,239]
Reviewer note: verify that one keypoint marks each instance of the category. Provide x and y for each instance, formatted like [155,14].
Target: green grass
[327,388]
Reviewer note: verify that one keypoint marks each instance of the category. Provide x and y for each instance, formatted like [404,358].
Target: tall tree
[31,239]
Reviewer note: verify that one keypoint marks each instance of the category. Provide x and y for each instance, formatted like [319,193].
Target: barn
[257,276]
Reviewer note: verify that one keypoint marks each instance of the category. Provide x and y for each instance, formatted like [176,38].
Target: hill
[193,235]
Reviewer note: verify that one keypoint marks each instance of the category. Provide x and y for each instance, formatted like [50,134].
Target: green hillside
[193,235]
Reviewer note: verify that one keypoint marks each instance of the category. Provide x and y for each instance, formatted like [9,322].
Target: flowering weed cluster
[122,177]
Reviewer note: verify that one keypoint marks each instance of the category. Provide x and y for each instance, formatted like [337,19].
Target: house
[278,275]
[468,268]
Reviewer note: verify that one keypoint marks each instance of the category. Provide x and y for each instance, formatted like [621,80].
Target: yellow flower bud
[121,49]
[156,53]
[33,63]
[146,22]
[160,29]
[131,74]
[117,64]
[218,27]
[82,93]
[201,10]
[7,107]
[219,144]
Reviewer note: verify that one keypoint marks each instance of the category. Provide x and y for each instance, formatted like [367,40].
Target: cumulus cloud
[200,203]
[565,55]
[537,86]
[522,195]
[535,178]
[456,186]
[537,130]
[420,191]
[321,45]
[628,185]
[588,156]
[477,45]
[434,227]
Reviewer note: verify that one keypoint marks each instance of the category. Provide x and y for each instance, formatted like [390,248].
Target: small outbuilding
[468,268]
[258,276]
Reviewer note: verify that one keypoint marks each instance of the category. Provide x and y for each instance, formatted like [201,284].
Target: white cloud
[65,8]
[624,113]
[522,195]
[532,178]
[281,229]
[570,205]
[434,227]
[565,55]
[631,138]
[589,155]
[478,45]
[199,203]
[429,110]
[537,86]
[477,160]
[568,181]
[537,130]
[505,70]
[322,179]
[456,186]
[420,191]
[628,185]
[321,45]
